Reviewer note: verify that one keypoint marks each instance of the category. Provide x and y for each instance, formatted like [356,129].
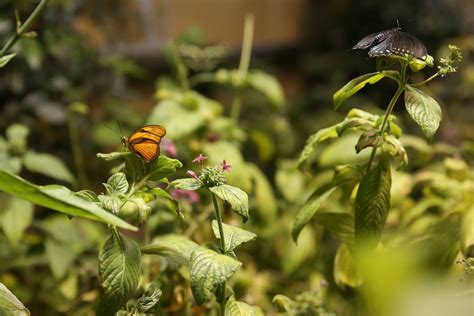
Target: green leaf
[294,256]
[310,208]
[186,184]
[47,165]
[236,308]
[467,233]
[233,236]
[57,198]
[424,110]
[87,195]
[340,225]
[149,299]
[10,305]
[134,167]
[373,203]
[237,199]
[370,138]
[285,304]
[162,167]
[356,84]
[266,84]
[110,203]
[117,184]
[208,270]
[5,59]
[119,268]
[314,140]
[345,272]
[16,219]
[176,248]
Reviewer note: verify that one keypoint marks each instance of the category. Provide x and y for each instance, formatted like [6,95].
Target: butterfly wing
[148,132]
[148,149]
[146,141]
[373,39]
[404,43]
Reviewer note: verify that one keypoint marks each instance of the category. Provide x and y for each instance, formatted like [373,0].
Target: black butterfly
[392,42]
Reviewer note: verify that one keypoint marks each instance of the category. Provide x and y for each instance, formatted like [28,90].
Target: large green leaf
[310,208]
[16,219]
[119,268]
[208,270]
[345,272]
[175,248]
[266,204]
[237,199]
[162,167]
[356,84]
[373,203]
[48,165]
[117,184]
[236,308]
[57,198]
[424,110]
[233,236]
[9,304]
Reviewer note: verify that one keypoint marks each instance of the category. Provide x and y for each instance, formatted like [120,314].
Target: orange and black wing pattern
[145,141]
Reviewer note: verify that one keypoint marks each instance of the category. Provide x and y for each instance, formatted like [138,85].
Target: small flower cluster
[210,176]
[446,66]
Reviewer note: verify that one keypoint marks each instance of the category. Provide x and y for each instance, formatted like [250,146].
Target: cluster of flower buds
[210,176]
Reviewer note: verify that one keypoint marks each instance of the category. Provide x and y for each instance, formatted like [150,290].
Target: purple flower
[225,166]
[192,174]
[170,148]
[199,159]
[186,195]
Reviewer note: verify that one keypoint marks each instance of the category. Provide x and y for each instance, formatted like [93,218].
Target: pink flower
[192,174]
[199,159]
[186,195]
[170,148]
[225,166]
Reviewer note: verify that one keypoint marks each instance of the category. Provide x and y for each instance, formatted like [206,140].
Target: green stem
[425,81]
[23,28]
[388,112]
[244,64]
[221,288]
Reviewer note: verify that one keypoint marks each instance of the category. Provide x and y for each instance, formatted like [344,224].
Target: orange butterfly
[145,141]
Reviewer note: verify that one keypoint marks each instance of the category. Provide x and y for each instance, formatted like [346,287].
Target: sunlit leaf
[186,184]
[237,199]
[176,248]
[236,308]
[373,202]
[5,59]
[10,305]
[208,270]
[16,218]
[48,165]
[162,167]
[57,198]
[60,257]
[314,140]
[117,184]
[356,84]
[424,110]
[345,272]
[113,155]
[266,204]
[119,268]
[233,236]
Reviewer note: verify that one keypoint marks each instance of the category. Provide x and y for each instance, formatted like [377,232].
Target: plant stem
[425,81]
[77,150]
[23,28]
[391,105]
[181,70]
[221,288]
[244,64]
